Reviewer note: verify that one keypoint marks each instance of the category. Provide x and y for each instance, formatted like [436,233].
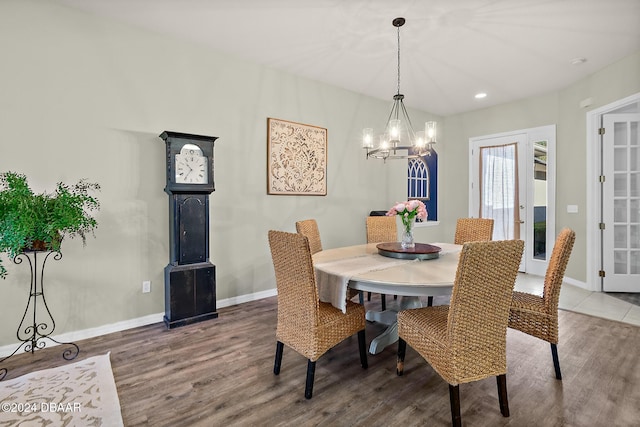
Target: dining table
[369,268]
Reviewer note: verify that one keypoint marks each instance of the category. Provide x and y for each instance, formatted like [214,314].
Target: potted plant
[31,221]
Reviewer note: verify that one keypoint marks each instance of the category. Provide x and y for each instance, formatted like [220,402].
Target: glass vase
[407,234]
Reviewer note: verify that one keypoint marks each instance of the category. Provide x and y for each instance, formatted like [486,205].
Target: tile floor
[576,299]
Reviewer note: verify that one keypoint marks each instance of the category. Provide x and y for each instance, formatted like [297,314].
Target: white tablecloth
[333,277]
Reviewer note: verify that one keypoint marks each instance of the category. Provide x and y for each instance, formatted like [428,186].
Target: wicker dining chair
[538,315]
[305,324]
[309,228]
[466,341]
[381,229]
[473,230]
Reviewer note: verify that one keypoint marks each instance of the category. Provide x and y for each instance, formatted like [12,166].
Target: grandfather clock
[189,278]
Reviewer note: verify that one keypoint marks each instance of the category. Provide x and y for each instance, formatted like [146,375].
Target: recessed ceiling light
[578,61]
[481,95]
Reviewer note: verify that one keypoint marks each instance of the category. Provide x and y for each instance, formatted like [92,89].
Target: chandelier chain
[398,61]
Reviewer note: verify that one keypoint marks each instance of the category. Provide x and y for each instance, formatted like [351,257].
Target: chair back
[298,302]
[309,228]
[473,230]
[382,229]
[555,270]
[479,308]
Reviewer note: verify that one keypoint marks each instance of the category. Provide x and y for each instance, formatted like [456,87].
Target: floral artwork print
[297,158]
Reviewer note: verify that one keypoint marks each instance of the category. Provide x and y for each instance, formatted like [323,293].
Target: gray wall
[86,97]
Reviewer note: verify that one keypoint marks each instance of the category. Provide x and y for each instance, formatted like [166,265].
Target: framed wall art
[296,158]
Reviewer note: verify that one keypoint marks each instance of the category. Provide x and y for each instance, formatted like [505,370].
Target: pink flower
[409,210]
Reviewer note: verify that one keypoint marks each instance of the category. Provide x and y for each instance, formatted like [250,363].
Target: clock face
[191,166]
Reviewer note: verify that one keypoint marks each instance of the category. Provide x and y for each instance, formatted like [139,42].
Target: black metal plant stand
[33,330]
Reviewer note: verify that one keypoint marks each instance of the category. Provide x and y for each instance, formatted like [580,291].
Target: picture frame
[296,158]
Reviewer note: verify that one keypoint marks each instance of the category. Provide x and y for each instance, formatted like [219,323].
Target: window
[422,182]
[418,179]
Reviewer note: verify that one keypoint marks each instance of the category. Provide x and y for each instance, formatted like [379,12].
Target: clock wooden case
[189,162]
[190,277]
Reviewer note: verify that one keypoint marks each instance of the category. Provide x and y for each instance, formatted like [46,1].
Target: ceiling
[450,50]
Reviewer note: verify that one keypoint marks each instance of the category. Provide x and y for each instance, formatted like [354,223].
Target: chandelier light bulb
[367,138]
[384,143]
[430,131]
[394,130]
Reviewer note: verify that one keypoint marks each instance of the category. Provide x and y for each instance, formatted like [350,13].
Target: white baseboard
[246,298]
[73,336]
[577,283]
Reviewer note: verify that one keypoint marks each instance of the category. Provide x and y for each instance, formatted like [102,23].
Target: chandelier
[398,140]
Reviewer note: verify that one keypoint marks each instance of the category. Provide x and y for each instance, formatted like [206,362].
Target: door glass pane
[634,184]
[634,236]
[635,262]
[620,185]
[634,211]
[634,135]
[620,236]
[620,210]
[620,262]
[498,193]
[620,159]
[620,133]
[540,200]
[634,158]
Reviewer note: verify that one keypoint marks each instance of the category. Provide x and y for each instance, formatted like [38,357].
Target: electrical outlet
[146,286]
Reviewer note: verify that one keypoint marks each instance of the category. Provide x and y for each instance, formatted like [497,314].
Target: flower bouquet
[408,211]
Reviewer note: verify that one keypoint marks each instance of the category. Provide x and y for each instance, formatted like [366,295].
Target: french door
[512,181]
[621,202]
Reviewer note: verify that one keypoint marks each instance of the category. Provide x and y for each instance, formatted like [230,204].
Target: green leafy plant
[31,221]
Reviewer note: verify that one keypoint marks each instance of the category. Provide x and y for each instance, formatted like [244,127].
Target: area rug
[78,394]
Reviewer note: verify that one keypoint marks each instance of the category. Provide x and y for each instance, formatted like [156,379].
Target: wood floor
[220,373]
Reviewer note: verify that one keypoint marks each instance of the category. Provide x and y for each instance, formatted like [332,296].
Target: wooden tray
[422,251]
